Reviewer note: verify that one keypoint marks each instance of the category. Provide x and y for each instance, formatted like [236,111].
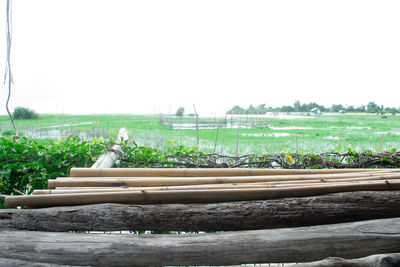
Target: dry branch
[300,161]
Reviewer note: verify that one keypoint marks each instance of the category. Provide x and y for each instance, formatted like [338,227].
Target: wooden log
[229,216]
[27,263]
[301,244]
[176,181]
[379,260]
[183,172]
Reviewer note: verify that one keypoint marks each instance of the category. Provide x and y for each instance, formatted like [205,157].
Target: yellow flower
[289,158]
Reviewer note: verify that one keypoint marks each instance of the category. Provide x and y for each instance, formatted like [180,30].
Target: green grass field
[257,134]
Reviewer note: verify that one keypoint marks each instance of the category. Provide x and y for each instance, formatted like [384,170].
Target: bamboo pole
[170,172]
[195,187]
[299,182]
[191,196]
[173,181]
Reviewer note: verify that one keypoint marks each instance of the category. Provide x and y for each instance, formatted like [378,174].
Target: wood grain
[302,244]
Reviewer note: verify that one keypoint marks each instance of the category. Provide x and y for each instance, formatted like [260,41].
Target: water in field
[261,134]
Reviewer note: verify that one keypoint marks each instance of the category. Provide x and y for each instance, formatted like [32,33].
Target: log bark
[379,260]
[245,215]
[302,244]
[27,263]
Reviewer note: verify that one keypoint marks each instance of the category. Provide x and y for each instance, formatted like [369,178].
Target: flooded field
[270,133]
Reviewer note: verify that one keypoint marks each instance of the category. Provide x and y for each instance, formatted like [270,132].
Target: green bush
[8,133]
[136,156]
[26,165]
[25,114]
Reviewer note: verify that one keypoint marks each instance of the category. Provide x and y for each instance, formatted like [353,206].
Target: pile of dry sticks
[152,186]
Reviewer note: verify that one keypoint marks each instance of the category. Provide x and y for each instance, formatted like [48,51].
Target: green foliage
[180,111]
[299,107]
[337,107]
[260,109]
[147,157]
[25,114]
[236,110]
[8,133]
[26,165]
[372,107]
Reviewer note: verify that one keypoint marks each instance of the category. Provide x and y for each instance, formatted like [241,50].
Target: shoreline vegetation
[371,107]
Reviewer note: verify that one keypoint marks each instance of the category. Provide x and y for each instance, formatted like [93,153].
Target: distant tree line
[371,107]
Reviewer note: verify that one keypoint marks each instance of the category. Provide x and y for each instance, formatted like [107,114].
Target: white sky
[127,56]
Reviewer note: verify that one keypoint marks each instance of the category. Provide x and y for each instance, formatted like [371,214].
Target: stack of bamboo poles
[150,186]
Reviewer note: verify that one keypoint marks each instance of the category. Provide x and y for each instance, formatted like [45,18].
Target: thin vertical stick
[108,132]
[62,124]
[8,67]
[223,137]
[216,137]
[197,126]
[380,146]
[297,145]
[237,140]
[340,140]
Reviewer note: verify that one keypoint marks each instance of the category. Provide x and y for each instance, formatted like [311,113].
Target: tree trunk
[302,244]
[244,215]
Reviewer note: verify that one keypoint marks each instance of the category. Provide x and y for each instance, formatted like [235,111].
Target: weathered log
[245,215]
[193,172]
[379,260]
[302,244]
[27,263]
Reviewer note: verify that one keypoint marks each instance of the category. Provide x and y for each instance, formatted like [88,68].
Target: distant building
[315,111]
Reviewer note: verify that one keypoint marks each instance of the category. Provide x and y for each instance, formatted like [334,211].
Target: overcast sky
[127,56]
